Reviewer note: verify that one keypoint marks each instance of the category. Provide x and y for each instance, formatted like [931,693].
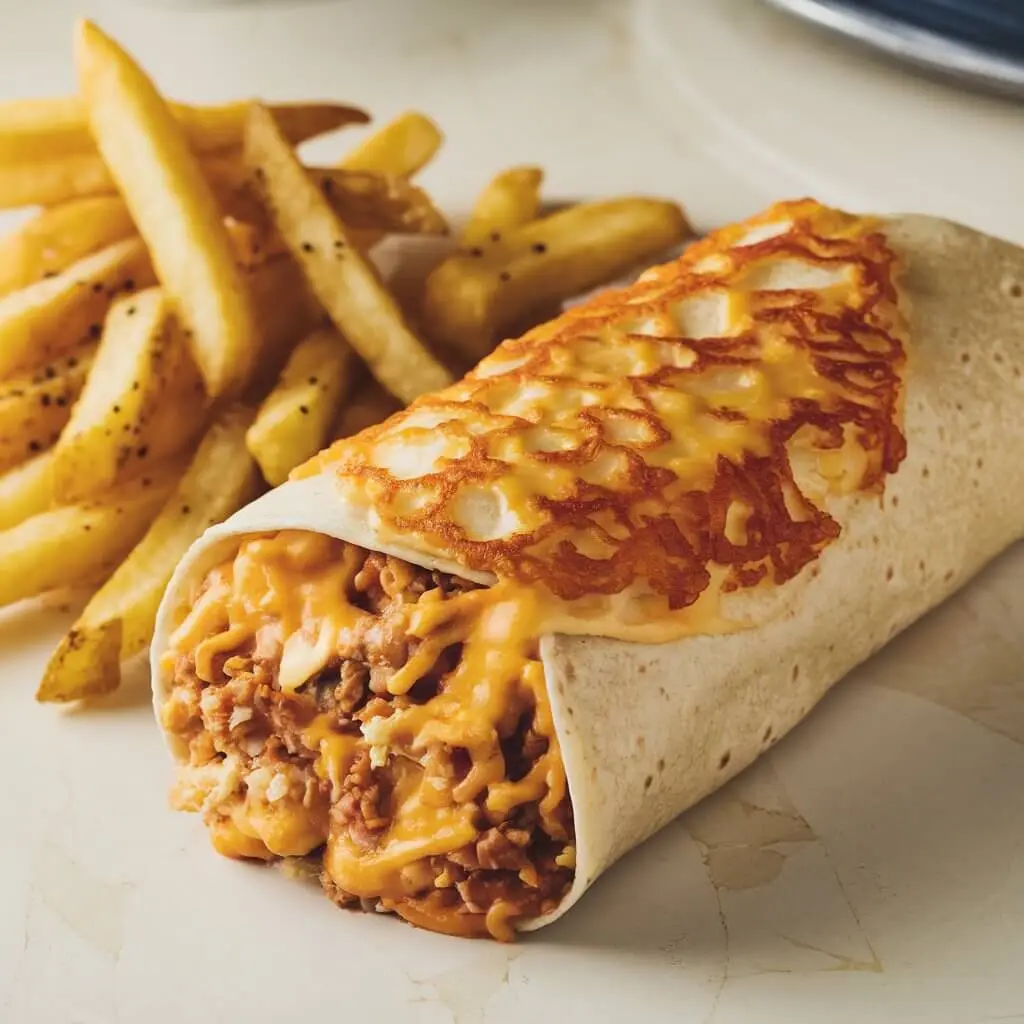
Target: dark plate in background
[977,41]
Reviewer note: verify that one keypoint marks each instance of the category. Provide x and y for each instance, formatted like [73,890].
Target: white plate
[870,867]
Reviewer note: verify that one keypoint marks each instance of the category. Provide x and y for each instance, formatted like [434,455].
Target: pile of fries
[193,312]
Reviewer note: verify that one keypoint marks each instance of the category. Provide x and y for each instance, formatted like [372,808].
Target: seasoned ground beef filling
[280,772]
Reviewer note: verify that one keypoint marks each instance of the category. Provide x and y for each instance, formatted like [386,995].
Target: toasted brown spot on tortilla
[726,757]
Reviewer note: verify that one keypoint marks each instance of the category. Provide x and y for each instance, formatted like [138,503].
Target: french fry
[33,411]
[346,284]
[54,239]
[54,315]
[143,400]
[75,545]
[44,128]
[118,622]
[368,405]
[295,419]
[53,180]
[148,155]
[26,490]
[286,310]
[510,199]
[252,244]
[401,148]
[375,202]
[472,297]
[364,200]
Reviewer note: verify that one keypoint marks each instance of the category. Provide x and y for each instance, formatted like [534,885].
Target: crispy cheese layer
[634,459]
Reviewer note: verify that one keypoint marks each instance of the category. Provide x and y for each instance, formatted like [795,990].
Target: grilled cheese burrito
[466,659]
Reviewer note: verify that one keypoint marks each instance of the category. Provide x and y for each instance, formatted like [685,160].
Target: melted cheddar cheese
[290,595]
[634,458]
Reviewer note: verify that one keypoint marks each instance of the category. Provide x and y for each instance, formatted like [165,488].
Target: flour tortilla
[647,731]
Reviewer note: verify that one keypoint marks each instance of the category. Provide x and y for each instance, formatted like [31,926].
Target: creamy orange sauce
[290,592]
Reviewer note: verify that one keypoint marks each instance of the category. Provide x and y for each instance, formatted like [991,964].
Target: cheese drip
[290,597]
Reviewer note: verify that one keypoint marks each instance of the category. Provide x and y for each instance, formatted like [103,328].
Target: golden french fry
[143,400]
[376,202]
[401,148]
[369,404]
[57,180]
[294,421]
[118,622]
[161,181]
[286,310]
[26,490]
[364,200]
[472,297]
[74,545]
[33,411]
[252,244]
[510,199]
[54,239]
[52,180]
[40,129]
[345,282]
[58,313]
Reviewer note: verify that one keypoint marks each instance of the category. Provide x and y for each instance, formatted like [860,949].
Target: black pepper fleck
[34,446]
[130,311]
[142,451]
[539,247]
[304,410]
[49,373]
[45,400]
[314,381]
[504,276]
[476,251]
[129,285]
[185,509]
[97,287]
[495,236]
[95,330]
[117,409]
[307,246]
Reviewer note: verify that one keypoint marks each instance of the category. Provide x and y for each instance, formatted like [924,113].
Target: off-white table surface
[871,867]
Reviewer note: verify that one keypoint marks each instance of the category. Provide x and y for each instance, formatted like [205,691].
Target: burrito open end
[465,660]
